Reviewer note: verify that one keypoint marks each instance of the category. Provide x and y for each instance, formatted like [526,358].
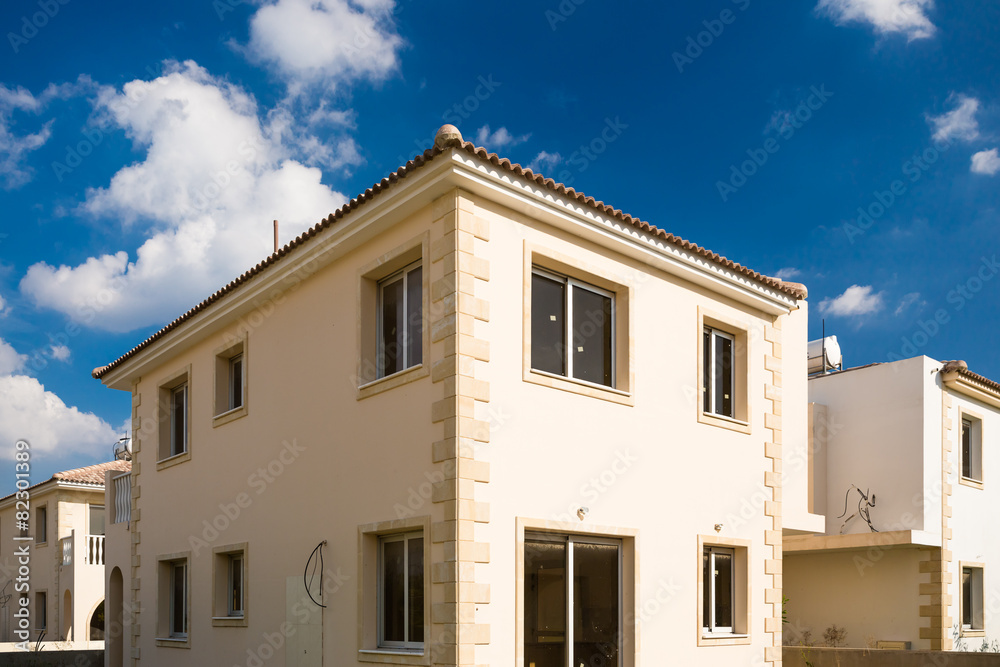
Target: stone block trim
[772,479]
[136,535]
[456,273]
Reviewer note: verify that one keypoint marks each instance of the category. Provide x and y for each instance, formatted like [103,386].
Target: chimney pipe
[276,236]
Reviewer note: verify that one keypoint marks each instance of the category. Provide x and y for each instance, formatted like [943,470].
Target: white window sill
[582,387]
[722,421]
[173,460]
[722,635]
[392,651]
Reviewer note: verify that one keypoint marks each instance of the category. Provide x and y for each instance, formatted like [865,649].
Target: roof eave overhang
[454,169]
[962,384]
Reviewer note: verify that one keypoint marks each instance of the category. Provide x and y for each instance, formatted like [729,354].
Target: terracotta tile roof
[87,475]
[794,290]
[963,369]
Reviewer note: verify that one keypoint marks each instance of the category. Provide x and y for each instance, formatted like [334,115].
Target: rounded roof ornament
[448,135]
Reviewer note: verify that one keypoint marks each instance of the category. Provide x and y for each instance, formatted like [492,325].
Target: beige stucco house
[472,418]
[907,449]
[63,551]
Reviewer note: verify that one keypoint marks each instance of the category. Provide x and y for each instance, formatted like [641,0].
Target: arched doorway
[95,626]
[67,617]
[114,642]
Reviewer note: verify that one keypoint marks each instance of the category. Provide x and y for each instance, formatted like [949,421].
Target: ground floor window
[972,597]
[718,576]
[572,600]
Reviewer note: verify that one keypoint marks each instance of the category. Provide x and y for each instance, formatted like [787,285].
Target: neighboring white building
[921,439]
[519,427]
[67,553]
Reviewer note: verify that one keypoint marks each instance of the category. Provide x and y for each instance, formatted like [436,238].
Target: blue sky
[145,148]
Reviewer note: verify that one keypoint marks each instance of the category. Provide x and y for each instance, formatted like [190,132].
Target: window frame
[42,524]
[90,518]
[572,283]
[712,629]
[975,456]
[402,274]
[367,380]
[43,596]
[742,602]
[223,560]
[224,409]
[167,568]
[976,626]
[709,372]
[406,644]
[741,330]
[598,279]
[166,454]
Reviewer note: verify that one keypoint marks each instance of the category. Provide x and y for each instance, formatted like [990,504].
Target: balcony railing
[67,550]
[93,549]
[123,498]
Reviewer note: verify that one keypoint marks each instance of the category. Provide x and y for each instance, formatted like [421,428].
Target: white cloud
[499,139]
[14,148]
[986,162]
[907,301]
[908,17]
[787,273]
[545,159]
[29,412]
[10,360]
[60,352]
[325,42]
[3,306]
[212,179]
[959,123]
[856,300]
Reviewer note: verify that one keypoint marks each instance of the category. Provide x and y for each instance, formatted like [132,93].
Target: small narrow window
[40,611]
[178,600]
[401,591]
[572,328]
[719,373]
[236,585]
[718,589]
[96,519]
[41,525]
[178,419]
[972,598]
[236,382]
[972,448]
[400,321]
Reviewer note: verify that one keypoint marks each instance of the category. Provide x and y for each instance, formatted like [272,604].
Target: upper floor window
[972,448]
[235,384]
[178,419]
[230,381]
[41,525]
[96,520]
[718,356]
[174,418]
[400,321]
[572,328]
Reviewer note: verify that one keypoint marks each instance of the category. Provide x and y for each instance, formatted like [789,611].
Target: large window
[718,590]
[401,591]
[972,448]
[572,328]
[400,321]
[718,356]
[972,597]
[572,601]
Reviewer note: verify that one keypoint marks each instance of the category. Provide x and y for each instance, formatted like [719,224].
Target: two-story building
[902,464]
[65,545]
[474,417]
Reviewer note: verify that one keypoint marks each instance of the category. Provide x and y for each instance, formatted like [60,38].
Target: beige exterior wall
[67,518]
[471,447]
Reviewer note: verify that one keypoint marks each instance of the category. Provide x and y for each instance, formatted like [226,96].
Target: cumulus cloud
[14,147]
[959,123]
[325,42]
[212,179]
[986,162]
[545,160]
[856,300]
[499,139]
[29,412]
[908,17]
[59,352]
